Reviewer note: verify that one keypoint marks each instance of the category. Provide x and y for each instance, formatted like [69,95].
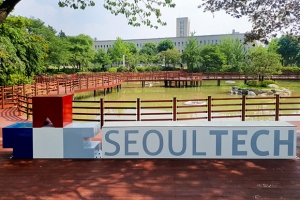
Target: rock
[229,82]
[251,93]
[273,86]
[269,92]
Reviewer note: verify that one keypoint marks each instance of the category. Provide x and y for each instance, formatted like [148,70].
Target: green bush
[290,69]
[140,69]
[253,83]
[112,69]
[122,69]
[265,83]
[256,83]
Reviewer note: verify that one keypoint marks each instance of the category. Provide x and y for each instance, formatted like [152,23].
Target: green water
[132,91]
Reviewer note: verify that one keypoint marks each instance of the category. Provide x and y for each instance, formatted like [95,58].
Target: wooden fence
[242,108]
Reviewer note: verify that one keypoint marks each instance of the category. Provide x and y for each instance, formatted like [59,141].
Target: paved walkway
[145,179]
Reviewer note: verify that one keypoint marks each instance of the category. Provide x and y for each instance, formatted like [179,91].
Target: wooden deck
[145,179]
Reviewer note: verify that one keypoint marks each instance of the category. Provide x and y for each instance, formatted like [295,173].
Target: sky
[99,23]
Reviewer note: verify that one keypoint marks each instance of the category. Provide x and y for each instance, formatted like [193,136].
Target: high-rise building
[182,27]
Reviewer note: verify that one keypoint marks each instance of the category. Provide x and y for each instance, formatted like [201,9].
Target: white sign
[232,140]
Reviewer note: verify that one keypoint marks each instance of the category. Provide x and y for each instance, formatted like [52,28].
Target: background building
[183,29]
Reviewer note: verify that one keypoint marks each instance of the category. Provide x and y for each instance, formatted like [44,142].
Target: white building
[179,41]
[182,27]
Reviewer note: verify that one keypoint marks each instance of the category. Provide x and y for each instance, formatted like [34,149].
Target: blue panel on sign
[19,137]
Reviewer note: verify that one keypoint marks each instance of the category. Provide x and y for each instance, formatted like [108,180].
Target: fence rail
[63,84]
[244,108]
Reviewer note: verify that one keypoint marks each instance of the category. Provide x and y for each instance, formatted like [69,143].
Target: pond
[156,91]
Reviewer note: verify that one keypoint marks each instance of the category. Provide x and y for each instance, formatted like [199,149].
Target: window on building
[101,46]
[200,41]
[175,43]
[216,41]
[182,43]
[107,46]
[204,42]
[137,45]
[95,46]
[140,45]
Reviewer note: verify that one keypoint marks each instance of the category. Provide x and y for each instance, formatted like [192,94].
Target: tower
[182,27]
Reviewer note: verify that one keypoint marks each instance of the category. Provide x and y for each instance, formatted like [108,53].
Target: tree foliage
[191,54]
[233,49]
[268,17]
[212,59]
[169,57]
[102,58]
[262,63]
[289,50]
[21,53]
[164,45]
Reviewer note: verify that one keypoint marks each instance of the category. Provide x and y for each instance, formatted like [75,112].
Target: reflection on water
[132,91]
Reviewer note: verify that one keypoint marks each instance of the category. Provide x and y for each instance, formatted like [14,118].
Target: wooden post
[65,87]
[277,108]
[243,107]
[35,89]
[102,112]
[18,105]
[174,109]
[2,96]
[27,107]
[47,87]
[138,109]
[57,87]
[209,108]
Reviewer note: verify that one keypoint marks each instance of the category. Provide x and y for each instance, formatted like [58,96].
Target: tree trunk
[6,7]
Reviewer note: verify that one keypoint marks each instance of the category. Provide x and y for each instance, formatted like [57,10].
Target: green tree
[191,54]
[234,52]
[289,50]
[262,63]
[136,11]
[148,53]
[164,45]
[117,51]
[102,58]
[169,57]
[132,47]
[273,46]
[268,17]
[58,47]
[22,53]
[212,58]
[81,51]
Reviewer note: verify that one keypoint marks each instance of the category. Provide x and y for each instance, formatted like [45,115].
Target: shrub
[290,69]
[253,83]
[112,69]
[122,69]
[140,69]
[265,83]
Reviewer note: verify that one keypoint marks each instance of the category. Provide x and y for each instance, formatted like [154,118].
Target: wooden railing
[62,84]
[243,108]
[46,86]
